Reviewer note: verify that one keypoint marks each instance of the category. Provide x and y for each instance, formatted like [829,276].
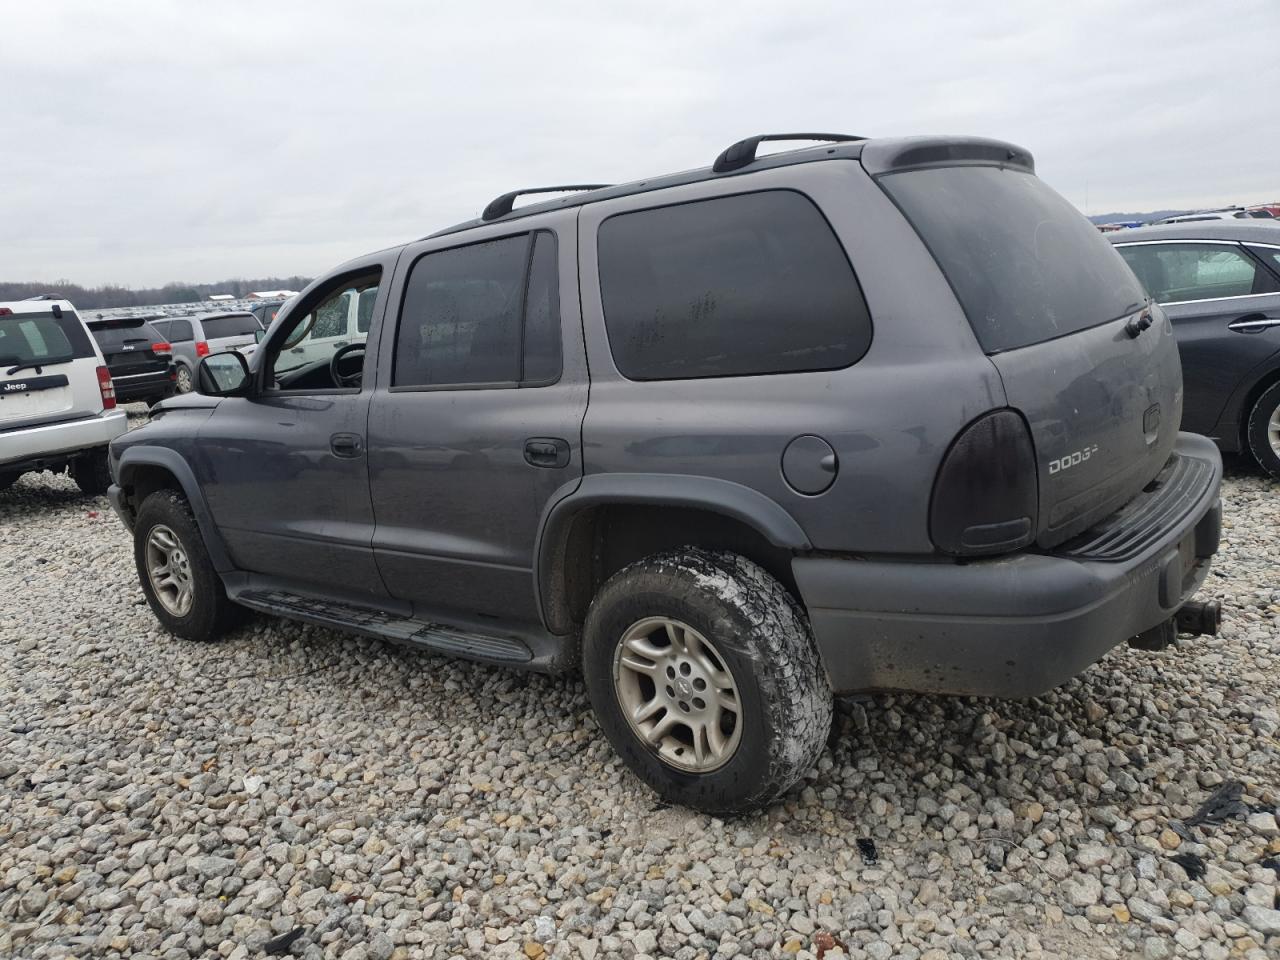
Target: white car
[57,402]
[1230,213]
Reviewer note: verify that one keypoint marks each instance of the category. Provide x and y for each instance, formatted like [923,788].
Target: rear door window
[749,284]
[1025,265]
[1179,272]
[233,325]
[180,331]
[42,339]
[483,314]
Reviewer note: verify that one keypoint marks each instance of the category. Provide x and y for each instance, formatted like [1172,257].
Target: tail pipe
[1196,617]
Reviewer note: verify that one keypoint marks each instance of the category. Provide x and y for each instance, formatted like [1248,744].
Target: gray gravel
[166,799]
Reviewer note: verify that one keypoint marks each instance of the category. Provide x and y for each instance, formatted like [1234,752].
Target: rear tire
[7,480]
[92,472]
[1263,431]
[171,557]
[184,383]
[736,706]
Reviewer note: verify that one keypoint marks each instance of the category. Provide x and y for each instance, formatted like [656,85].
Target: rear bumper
[1013,626]
[142,386]
[33,448]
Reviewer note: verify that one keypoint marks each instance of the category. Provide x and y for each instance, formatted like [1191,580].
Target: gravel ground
[166,799]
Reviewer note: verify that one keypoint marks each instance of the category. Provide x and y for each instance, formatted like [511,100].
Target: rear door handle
[546,452]
[346,445]
[1253,323]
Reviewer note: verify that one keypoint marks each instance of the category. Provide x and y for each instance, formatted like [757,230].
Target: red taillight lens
[202,349]
[108,389]
[5,312]
[162,348]
[986,496]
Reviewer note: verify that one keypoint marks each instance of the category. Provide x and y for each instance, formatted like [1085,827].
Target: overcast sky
[149,141]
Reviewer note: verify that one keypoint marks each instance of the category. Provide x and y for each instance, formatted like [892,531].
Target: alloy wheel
[169,570]
[678,694]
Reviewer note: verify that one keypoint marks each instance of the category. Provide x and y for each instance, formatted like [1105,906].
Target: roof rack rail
[743,152]
[503,205]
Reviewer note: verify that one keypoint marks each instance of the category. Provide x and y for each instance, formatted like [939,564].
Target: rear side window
[734,286]
[42,338]
[180,331]
[1176,272]
[1025,265]
[234,325]
[487,313]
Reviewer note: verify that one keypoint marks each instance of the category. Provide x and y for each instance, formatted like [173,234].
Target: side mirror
[223,375]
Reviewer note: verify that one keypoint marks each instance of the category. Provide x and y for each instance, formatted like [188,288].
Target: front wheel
[179,581]
[1264,431]
[705,678]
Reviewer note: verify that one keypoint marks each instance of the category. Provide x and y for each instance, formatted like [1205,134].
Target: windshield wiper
[38,364]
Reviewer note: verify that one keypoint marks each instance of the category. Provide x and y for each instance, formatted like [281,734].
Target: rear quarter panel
[890,417]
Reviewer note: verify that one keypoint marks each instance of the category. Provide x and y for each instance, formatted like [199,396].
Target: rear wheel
[179,581]
[704,676]
[92,473]
[184,381]
[1264,431]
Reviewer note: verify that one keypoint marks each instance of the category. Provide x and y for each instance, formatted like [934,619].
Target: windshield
[26,340]
[233,325]
[1025,265]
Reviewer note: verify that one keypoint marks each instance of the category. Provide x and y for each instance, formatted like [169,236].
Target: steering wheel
[346,379]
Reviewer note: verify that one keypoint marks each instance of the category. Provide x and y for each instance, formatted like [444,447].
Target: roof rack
[743,152]
[503,205]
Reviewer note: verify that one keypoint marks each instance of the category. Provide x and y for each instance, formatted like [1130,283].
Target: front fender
[135,458]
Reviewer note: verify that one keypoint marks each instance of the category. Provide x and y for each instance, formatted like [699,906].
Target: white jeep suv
[57,403]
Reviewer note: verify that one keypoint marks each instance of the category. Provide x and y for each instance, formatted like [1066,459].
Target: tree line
[114,295]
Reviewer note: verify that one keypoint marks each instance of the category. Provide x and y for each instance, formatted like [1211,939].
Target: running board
[372,622]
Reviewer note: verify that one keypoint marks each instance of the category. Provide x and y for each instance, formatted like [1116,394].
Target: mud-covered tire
[211,613]
[92,472]
[763,637]
[1258,430]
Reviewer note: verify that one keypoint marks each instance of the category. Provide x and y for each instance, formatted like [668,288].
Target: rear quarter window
[1025,265]
[754,283]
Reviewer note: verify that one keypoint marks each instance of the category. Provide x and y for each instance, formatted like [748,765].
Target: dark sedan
[1219,282]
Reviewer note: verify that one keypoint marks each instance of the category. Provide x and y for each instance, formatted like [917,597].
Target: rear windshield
[235,325]
[112,336]
[1024,263]
[42,338]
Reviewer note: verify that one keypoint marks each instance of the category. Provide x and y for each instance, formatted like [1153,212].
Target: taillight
[162,348]
[202,349]
[5,312]
[986,497]
[108,389]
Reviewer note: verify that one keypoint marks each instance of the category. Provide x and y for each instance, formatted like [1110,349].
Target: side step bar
[387,626]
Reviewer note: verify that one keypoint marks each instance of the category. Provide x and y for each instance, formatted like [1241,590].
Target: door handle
[346,445]
[297,350]
[546,452]
[1253,323]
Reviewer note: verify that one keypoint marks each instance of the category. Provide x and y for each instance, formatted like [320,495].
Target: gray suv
[196,337]
[871,415]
